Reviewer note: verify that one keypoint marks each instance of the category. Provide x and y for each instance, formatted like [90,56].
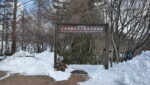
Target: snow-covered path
[98,75]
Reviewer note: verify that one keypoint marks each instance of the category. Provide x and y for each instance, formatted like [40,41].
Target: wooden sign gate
[82,29]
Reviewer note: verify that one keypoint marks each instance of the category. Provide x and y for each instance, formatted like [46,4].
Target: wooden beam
[106,64]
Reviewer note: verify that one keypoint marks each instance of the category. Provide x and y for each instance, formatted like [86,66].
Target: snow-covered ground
[133,72]
[40,64]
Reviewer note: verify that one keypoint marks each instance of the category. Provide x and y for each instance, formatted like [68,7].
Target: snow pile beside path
[40,64]
[21,54]
[133,72]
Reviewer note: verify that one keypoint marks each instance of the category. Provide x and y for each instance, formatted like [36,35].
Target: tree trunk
[13,48]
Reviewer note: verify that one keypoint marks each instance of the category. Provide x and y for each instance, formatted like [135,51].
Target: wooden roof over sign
[81,28]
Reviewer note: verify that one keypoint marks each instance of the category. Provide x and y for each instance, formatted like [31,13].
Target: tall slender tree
[13,48]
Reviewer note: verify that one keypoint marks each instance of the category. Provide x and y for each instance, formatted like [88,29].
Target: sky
[27,3]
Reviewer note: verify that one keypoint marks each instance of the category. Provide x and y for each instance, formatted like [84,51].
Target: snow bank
[133,72]
[40,64]
[21,54]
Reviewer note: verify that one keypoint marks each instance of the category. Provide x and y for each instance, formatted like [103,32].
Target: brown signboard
[81,29]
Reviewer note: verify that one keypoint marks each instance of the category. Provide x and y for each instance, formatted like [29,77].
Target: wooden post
[106,46]
[55,47]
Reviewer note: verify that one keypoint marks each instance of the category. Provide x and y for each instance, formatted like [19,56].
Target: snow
[133,72]
[98,75]
[22,54]
[40,64]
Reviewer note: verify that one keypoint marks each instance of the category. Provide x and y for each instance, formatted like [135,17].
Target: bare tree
[127,23]
[5,7]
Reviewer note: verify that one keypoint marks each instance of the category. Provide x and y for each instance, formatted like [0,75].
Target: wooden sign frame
[63,28]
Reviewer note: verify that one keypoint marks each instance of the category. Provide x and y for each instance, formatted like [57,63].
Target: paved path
[40,80]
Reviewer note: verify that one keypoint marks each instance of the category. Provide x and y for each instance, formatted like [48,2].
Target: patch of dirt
[26,80]
[41,80]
